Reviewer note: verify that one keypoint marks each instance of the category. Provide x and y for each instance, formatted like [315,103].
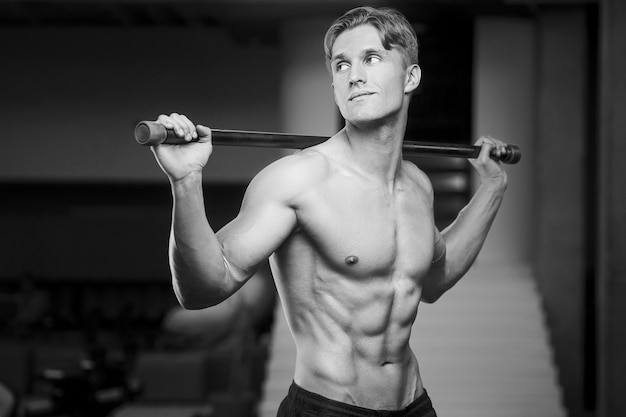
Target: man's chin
[366,121]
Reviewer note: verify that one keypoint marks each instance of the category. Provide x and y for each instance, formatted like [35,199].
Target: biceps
[254,235]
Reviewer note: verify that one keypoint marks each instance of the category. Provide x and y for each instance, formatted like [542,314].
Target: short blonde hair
[395,31]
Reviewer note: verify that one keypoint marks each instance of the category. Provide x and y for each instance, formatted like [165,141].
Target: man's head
[372,58]
[395,31]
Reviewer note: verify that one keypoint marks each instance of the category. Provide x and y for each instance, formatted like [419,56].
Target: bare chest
[364,231]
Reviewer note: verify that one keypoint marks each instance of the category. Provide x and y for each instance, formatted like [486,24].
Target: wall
[504,88]
[560,190]
[531,86]
[611,262]
[71,96]
[307,104]
[95,232]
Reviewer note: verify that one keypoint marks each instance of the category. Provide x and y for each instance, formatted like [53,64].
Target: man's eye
[341,67]
[373,59]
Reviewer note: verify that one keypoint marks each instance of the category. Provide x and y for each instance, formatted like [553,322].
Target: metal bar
[152,134]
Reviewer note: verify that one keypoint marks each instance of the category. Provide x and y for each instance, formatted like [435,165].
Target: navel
[352,260]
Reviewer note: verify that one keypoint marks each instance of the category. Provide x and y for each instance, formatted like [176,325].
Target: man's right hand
[178,161]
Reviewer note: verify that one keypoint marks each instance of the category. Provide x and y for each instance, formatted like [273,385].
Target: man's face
[370,83]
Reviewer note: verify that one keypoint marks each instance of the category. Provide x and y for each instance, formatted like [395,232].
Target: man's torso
[350,282]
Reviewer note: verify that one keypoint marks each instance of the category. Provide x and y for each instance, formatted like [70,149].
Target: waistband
[421,407]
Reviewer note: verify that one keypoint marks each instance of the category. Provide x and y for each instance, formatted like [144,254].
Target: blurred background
[88,321]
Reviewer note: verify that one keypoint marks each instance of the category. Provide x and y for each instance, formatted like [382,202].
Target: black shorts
[302,403]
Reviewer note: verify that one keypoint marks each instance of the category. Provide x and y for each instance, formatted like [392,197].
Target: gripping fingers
[188,127]
[180,124]
[492,147]
[169,123]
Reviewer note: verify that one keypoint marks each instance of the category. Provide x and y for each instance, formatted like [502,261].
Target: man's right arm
[199,275]
[207,267]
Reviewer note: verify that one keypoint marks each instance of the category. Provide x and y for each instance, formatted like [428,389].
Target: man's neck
[376,151]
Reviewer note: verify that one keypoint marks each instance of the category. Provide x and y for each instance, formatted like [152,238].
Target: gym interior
[89,324]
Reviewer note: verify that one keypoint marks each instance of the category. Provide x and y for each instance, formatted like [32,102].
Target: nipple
[352,260]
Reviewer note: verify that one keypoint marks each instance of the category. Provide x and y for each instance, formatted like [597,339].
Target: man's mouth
[358,94]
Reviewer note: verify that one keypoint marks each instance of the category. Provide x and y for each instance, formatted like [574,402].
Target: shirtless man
[348,228]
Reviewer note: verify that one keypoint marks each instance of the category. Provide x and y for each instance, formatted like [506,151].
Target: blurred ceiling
[224,12]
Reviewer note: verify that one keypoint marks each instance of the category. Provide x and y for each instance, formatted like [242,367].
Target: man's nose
[357,74]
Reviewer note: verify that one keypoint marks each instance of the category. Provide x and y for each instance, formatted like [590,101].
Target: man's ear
[413,78]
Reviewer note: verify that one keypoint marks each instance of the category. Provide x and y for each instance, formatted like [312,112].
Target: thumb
[203,131]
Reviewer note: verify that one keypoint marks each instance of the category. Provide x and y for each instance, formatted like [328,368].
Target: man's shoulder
[304,165]
[293,174]
[417,176]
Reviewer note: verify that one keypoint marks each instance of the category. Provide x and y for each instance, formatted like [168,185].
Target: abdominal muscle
[352,338]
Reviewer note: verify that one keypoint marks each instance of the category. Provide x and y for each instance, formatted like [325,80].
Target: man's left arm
[457,247]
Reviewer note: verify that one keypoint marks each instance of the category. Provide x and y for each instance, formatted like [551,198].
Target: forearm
[199,274]
[465,237]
